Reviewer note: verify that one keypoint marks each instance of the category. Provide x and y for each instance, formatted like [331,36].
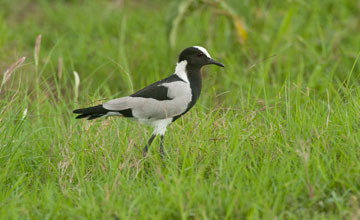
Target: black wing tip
[99,111]
[88,116]
[90,112]
[82,116]
[94,116]
[77,111]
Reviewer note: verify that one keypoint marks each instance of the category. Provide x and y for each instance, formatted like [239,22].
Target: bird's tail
[91,112]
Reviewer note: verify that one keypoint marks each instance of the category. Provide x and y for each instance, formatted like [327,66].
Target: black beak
[212,61]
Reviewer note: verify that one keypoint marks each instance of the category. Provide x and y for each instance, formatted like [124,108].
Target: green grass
[275,134]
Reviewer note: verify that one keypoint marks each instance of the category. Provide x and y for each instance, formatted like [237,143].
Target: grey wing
[178,95]
[141,108]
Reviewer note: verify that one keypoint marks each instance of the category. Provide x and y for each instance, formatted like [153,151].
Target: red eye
[200,54]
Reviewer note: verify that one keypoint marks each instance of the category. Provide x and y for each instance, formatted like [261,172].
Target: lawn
[274,135]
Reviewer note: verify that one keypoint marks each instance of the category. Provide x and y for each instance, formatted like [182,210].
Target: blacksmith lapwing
[162,102]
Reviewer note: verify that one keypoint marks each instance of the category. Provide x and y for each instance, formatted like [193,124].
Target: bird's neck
[192,75]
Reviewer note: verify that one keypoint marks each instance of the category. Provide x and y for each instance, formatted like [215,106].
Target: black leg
[146,148]
[162,153]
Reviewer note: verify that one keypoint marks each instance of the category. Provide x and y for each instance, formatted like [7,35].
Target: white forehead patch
[203,50]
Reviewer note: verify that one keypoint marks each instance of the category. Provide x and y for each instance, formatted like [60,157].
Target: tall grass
[275,135]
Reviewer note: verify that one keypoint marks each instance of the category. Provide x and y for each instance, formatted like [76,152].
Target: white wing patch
[112,114]
[203,50]
[178,89]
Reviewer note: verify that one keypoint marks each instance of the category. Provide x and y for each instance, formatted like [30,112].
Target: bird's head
[197,57]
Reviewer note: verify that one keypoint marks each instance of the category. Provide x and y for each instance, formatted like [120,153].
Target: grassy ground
[275,134]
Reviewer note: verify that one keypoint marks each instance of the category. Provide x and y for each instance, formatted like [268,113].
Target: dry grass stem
[77,84]
[60,67]
[8,73]
[37,50]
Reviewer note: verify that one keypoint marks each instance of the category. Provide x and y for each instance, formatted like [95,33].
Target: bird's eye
[200,54]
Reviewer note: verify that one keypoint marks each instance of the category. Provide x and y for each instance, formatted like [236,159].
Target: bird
[162,102]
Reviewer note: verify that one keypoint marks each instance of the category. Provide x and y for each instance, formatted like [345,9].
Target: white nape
[180,70]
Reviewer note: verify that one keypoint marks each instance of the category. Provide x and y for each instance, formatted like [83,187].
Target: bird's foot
[144,152]
[162,153]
